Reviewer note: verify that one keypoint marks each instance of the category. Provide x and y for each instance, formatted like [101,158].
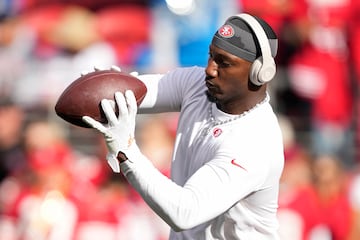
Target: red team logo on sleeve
[226,31]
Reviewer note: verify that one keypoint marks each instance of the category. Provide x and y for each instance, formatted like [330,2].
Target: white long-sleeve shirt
[224,182]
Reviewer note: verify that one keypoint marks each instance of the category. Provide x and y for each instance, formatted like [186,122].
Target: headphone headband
[266,70]
[259,33]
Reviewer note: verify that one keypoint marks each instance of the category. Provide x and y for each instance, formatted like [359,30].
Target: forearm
[165,197]
[202,198]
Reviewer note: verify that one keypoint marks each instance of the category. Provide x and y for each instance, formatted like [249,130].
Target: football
[83,96]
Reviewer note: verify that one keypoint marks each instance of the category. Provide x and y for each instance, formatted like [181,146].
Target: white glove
[119,132]
[96,69]
[113,67]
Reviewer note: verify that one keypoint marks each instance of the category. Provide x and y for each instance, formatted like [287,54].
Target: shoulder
[185,78]
[186,74]
[189,80]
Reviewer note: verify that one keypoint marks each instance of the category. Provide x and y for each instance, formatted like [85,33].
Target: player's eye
[222,63]
[219,60]
[225,64]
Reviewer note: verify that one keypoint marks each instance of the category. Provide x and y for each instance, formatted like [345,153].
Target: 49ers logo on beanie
[236,37]
[226,31]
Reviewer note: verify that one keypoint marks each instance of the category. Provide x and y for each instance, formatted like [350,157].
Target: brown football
[82,97]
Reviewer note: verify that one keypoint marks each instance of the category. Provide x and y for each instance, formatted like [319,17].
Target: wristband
[121,157]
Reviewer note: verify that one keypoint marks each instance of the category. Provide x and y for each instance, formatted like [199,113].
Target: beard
[210,97]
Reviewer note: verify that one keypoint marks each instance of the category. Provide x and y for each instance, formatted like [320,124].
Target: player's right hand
[119,131]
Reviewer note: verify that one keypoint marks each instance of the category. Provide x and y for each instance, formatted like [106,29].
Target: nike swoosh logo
[236,164]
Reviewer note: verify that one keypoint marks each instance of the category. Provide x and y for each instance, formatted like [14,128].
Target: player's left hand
[113,68]
[119,131]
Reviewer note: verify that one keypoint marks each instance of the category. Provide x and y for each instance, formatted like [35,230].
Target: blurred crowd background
[54,180]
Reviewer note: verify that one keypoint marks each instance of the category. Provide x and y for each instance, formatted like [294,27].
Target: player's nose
[211,69]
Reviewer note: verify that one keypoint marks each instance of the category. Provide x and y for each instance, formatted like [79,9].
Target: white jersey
[224,178]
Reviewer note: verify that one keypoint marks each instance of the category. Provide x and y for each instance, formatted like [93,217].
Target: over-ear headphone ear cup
[254,72]
[262,73]
[267,71]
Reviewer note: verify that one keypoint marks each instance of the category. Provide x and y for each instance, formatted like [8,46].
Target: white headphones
[263,68]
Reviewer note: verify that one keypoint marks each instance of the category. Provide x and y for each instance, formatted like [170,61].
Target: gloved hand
[119,131]
[114,68]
